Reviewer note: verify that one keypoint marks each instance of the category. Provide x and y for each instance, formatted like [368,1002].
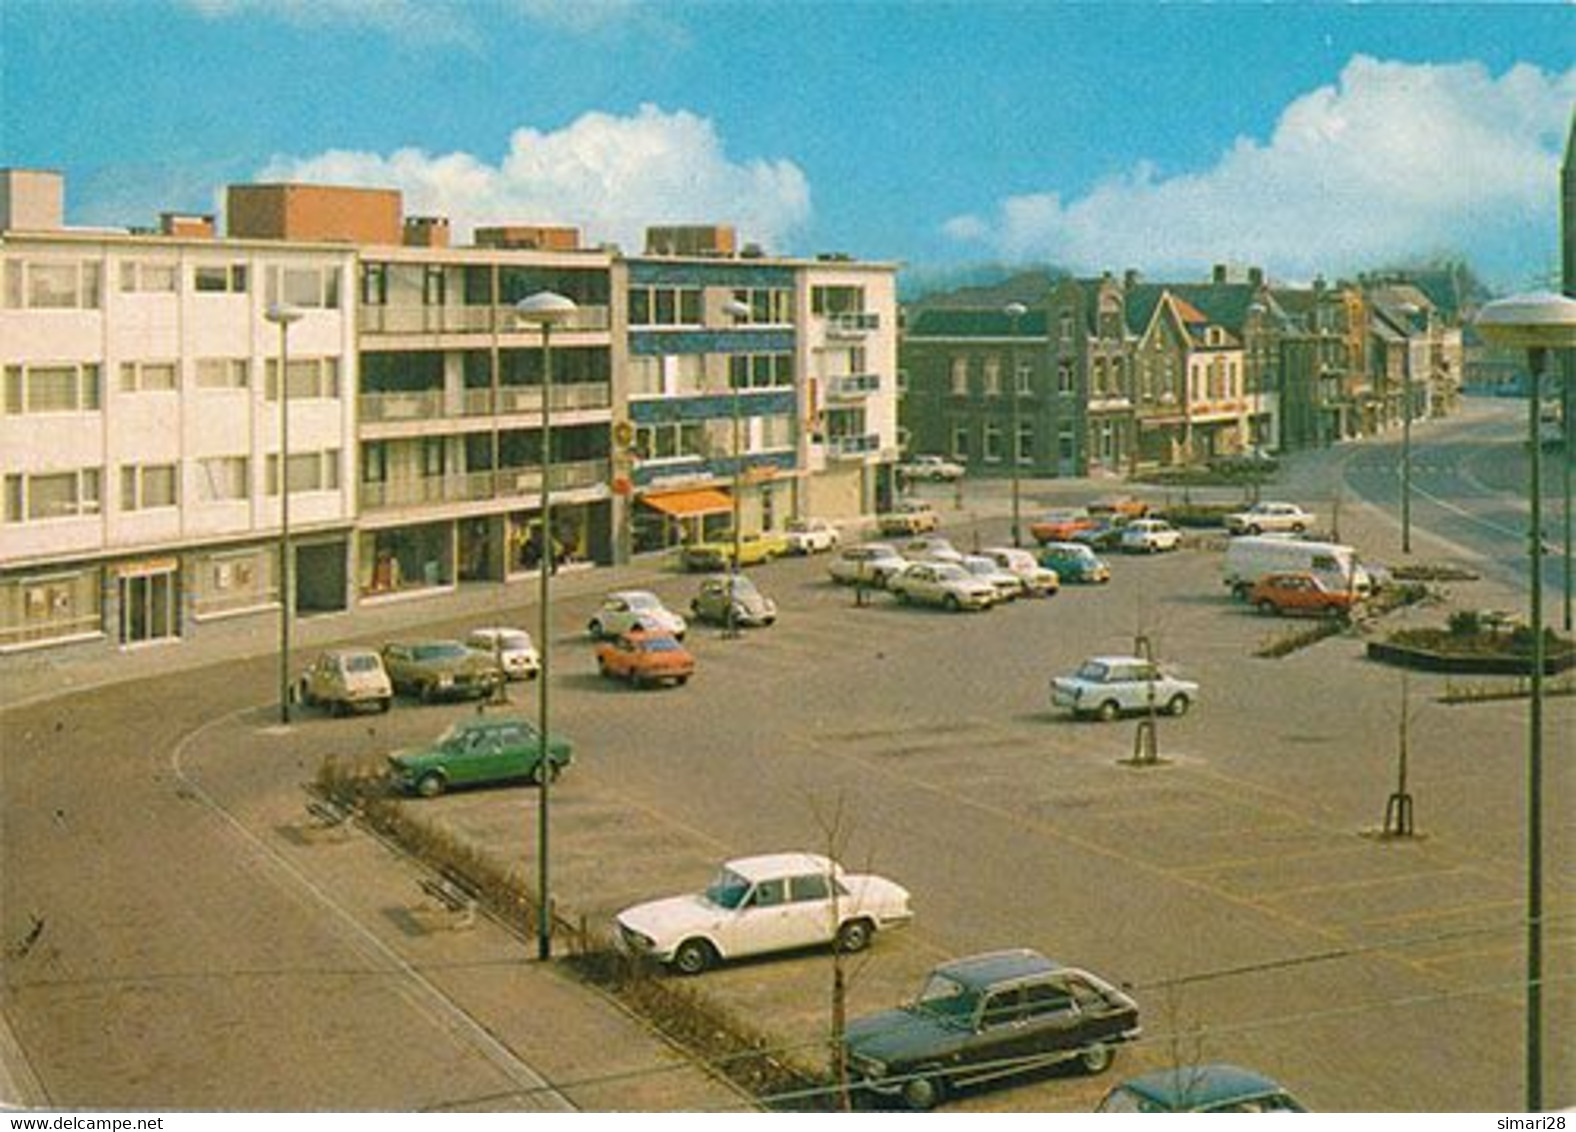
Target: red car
[645,658]
[1061,525]
[1300,593]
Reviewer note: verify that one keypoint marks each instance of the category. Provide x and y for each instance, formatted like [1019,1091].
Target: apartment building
[141,435]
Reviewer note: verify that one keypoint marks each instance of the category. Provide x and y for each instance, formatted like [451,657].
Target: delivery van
[1253,556]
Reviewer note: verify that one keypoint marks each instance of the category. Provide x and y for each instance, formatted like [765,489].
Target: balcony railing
[424,404]
[850,386]
[852,324]
[464,319]
[471,487]
[848,447]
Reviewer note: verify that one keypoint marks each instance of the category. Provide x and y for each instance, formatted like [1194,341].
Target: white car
[811,536]
[513,648]
[1108,686]
[756,905]
[625,611]
[1271,517]
[930,468]
[1009,587]
[930,548]
[345,679]
[1038,581]
[942,583]
[870,563]
[1149,536]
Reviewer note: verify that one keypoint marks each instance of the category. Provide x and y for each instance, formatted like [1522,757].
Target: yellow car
[715,553]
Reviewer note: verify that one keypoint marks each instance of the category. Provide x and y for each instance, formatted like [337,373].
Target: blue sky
[1304,138]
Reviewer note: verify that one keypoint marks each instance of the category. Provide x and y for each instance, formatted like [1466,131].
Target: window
[664,306]
[52,495]
[1064,327]
[52,285]
[760,371]
[315,288]
[309,471]
[960,443]
[144,487]
[993,376]
[1066,380]
[1025,454]
[310,379]
[677,441]
[1023,380]
[811,886]
[768,305]
[219,278]
[770,893]
[960,376]
[221,478]
[837,300]
[148,377]
[1003,1008]
[992,446]
[148,276]
[776,432]
[645,376]
[52,389]
[223,373]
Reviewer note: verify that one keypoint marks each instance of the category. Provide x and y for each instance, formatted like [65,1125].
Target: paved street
[1237,887]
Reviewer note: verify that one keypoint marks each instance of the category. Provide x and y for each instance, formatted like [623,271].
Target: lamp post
[740,312]
[1014,312]
[283,315]
[1408,309]
[1535,322]
[544,309]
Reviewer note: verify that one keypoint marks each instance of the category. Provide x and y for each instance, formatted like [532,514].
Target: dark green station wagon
[480,752]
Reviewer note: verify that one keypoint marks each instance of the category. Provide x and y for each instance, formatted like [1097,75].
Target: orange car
[1061,525]
[645,658]
[1300,593]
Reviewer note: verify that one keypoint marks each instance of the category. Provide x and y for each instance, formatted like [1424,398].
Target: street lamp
[283,315]
[1014,312]
[544,309]
[1408,309]
[740,312]
[1536,322]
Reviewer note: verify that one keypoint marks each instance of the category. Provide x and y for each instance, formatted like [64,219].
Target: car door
[764,922]
[1056,1021]
[814,918]
[1000,1036]
[475,751]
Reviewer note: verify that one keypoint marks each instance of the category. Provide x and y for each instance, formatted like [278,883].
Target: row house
[141,432]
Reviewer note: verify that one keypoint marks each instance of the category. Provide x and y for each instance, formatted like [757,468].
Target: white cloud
[1394,161]
[611,176]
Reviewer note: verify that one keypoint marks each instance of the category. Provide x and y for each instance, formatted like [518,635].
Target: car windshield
[946,998]
[658,644]
[454,736]
[362,662]
[728,890]
[1093,671]
[513,640]
[443,650]
[642,601]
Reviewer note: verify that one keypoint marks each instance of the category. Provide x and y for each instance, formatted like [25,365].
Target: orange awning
[683,504]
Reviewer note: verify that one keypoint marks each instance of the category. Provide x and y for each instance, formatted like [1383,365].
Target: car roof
[978,972]
[1201,1086]
[1077,548]
[1111,659]
[631,595]
[351,652]
[768,865]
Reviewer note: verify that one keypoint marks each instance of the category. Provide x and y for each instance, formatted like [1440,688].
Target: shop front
[667,519]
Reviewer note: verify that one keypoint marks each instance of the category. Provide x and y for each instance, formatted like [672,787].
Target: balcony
[852,386]
[465,319]
[852,324]
[852,447]
[472,487]
[424,404]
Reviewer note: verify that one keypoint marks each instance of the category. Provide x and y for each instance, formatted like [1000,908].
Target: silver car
[1108,686]
[750,606]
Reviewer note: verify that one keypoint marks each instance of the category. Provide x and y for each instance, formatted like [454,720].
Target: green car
[479,752]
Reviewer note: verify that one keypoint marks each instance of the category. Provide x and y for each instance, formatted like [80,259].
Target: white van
[1251,557]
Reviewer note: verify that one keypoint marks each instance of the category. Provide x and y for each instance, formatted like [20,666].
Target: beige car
[344,680]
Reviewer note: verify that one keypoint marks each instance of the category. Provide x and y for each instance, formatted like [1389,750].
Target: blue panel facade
[655,343]
[660,273]
[712,406]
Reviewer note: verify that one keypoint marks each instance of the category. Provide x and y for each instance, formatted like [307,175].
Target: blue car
[1200,1088]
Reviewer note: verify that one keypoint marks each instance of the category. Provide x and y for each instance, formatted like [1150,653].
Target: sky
[1304,138]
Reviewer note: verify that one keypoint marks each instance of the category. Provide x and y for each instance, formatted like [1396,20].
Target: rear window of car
[362,664]
[437,652]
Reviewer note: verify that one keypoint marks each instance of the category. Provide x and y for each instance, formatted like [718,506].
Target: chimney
[1256,276]
[544,237]
[1219,274]
[187,225]
[1130,278]
[426,231]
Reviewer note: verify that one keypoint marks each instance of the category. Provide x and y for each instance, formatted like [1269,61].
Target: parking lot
[1236,887]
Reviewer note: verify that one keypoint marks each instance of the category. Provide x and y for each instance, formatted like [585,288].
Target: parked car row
[973,581]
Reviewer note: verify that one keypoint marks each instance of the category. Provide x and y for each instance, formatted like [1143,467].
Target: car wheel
[595,629]
[427,693]
[693,957]
[952,603]
[385,703]
[430,785]
[553,771]
[1096,1058]
[1255,529]
[854,936]
[1268,608]
[1177,705]
[338,708]
[923,1093]
[681,681]
[1297,528]
[1106,712]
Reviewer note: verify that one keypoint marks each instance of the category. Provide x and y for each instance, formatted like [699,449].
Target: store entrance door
[148,606]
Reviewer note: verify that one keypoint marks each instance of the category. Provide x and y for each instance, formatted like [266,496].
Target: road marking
[429,998]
